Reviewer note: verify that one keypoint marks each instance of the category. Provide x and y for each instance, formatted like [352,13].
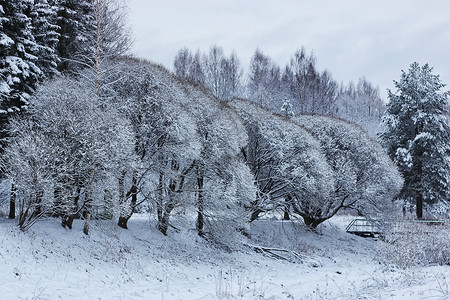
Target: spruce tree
[77,30]
[416,135]
[18,55]
[45,32]
[286,108]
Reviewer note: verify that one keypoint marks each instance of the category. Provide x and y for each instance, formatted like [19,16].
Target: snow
[5,40]
[49,262]
[4,87]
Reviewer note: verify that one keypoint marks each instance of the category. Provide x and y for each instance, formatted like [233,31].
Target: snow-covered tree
[19,73]
[225,185]
[77,30]
[222,73]
[45,32]
[67,150]
[166,142]
[286,109]
[188,66]
[416,135]
[263,86]
[287,162]
[189,144]
[360,104]
[366,179]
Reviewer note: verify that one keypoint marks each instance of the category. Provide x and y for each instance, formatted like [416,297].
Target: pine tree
[18,55]
[416,134]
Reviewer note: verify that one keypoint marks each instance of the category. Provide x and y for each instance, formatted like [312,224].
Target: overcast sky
[350,38]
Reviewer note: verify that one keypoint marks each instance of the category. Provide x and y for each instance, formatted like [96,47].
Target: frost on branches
[189,147]
[366,179]
[65,155]
[315,165]
[287,162]
[18,55]
[416,135]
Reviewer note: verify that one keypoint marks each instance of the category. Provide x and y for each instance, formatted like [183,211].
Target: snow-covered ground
[50,262]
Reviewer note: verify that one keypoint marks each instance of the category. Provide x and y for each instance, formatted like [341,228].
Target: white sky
[350,38]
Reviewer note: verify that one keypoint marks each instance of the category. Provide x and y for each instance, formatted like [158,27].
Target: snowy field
[50,262]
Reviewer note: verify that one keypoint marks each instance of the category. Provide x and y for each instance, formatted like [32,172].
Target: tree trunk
[38,203]
[419,196]
[419,206]
[122,202]
[163,225]
[12,202]
[159,201]
[311,222]
[286,209]
[57,202]
[200,207]
[87,214]
[255,214]
[419,191]
[87,223]
[123,219]
[74,215]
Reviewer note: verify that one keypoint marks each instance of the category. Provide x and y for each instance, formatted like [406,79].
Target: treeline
[309,90]
[148,137]
[97,134]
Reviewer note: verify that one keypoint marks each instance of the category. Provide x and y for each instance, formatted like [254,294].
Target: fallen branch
[275,253]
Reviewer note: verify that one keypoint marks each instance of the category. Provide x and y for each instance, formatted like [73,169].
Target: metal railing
[372,227]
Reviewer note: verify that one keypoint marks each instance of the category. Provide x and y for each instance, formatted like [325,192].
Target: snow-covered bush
[414,244]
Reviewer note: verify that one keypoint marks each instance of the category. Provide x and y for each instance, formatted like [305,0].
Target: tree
[303,71]
[264,84]
[45,32]
[222,74]
[360,104]
[286,161]
[225,186]
[65,152]
[182,63]
[92,33]
[189,67]
[286,109]
[77,31]
[166,138]
[19,72]
[416,135]
[189,145]
[366,179]
[213,70]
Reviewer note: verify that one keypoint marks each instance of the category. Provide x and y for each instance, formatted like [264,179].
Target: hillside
[50,262]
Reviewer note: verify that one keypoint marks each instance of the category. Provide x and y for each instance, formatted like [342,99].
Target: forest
[111,132]
[90,133]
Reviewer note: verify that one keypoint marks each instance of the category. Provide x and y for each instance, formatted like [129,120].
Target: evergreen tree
[416,134]
[18,55]
[77,30]
[286,108]
[45,32]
